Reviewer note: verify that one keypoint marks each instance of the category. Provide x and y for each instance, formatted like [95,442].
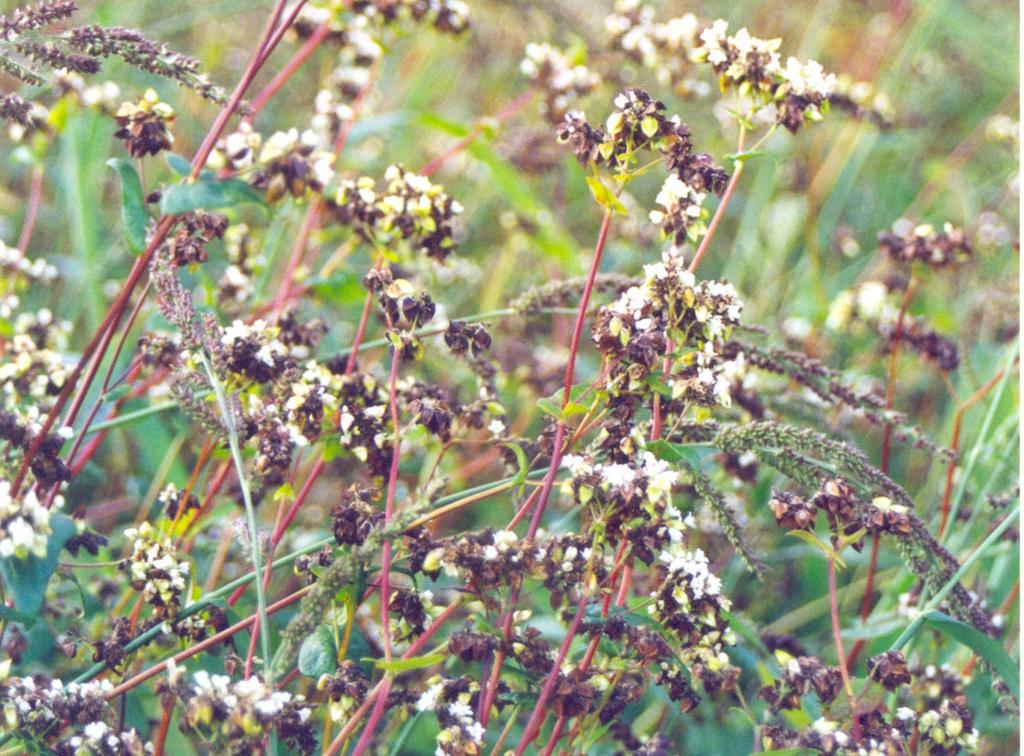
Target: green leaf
[207,194]
[26,579]
[318,654]
[552,405]
[674,453]
[742,157]
[342,288]
[808,537]
[399,666]
[133,204]
[604,196]
[788,752]
[987,648]
[178,163]
[521,462]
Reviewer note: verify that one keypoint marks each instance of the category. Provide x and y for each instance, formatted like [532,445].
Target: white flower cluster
[740,57]
[809,79]
[13,262]
[408,207]
[868,303]
[308,399]
[38,708]
[464,734]
[664,48]
[154,567]
[33,367]
[24,523]
[753,66]
[306,146]
[563,80]
[240,712]
[99,739]
[683,213]
[695,568]
[271,349]
[650,475]
[235,284]
[238,149]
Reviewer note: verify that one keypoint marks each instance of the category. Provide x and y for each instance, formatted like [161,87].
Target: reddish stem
[288,70]
[213,640]
[570,368]
[844,670]
[537,716]
[35,195]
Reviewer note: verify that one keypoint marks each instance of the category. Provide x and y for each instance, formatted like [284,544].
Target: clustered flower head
[670,304]
[662,47]
[752,66]
[44,708]
[640,123]
[872,303]
[939,249]
[292,163]
[24,523]
[155,569]
[236,716]
[562,80]
[235,286]
[145,125]
[690,604]
[409,209]
[801,675]
[453,702]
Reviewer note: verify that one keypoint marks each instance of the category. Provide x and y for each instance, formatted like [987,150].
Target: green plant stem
[965,476]
[250,515]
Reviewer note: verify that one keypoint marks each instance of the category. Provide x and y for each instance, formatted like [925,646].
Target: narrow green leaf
[27,578]
[317,654]
[521,462]
[399,666]
[207,194]
[987,648]
[133,204]
[674,453]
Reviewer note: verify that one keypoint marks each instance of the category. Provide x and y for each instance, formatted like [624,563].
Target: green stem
[965,476]
[250,514]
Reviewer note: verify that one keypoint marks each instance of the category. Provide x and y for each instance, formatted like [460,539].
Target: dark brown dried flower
[792,511]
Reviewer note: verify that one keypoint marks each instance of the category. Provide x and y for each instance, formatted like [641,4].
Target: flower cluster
[155,569]
[145,125]
[235,286]
[292,163]
[872,303]
[664,48]
[670,304]
[798,90]
[690,604]
[801,675]
[24,524]
[453,701]
[43,707]
[939,249]
[99,739]
[34,370]
[409,208]
[562,80]
[237,715]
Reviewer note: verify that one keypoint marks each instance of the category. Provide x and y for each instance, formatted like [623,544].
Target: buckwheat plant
[461,380]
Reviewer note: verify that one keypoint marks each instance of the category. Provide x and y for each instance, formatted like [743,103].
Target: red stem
[35,195]
[844,670]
